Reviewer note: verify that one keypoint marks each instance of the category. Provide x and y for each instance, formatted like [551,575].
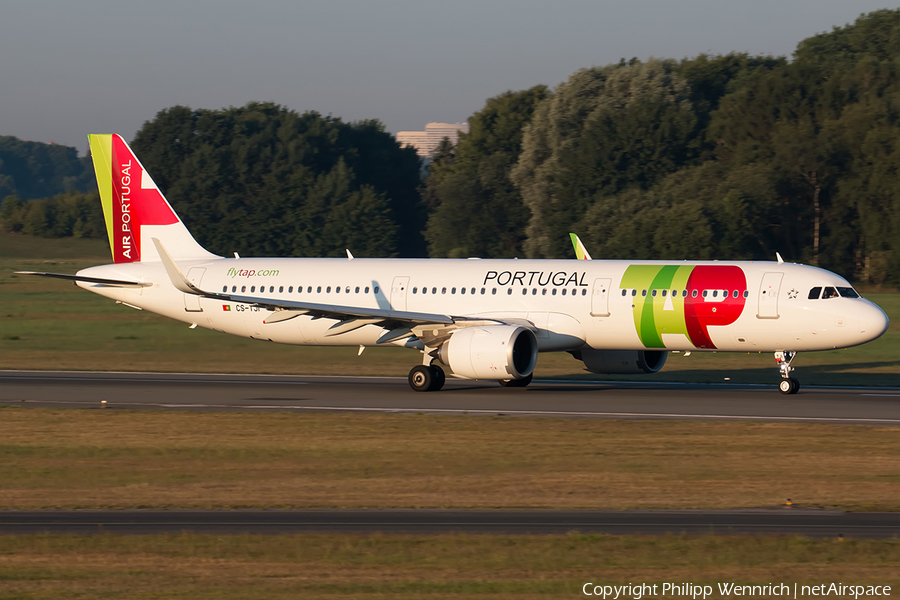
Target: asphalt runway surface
[823,524]
[548,398]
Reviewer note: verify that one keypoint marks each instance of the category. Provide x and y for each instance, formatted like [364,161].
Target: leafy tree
[604,129]
[38,170]
[66,215]
[477,211]
[264,180]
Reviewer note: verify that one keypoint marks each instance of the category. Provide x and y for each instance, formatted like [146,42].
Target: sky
[97,66]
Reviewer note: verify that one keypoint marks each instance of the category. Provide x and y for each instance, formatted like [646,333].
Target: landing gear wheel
[421,378]
[517,382]
[784,386]
[438,378]
[789,386]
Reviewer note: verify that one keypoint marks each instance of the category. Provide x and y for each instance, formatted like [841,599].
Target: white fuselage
[622,305]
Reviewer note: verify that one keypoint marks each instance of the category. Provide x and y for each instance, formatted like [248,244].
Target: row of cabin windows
[415,290]
[509,291]
[694,293]
[309,289]
[830,292]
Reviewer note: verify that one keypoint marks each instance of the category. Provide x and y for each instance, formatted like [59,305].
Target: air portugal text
[541,278]
[127,233]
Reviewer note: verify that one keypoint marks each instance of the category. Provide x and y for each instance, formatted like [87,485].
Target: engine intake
[622,362]
[496,352]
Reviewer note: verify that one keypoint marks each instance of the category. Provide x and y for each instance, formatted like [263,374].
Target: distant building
[425,142]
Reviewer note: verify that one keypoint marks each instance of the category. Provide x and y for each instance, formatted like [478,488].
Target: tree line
[730,157]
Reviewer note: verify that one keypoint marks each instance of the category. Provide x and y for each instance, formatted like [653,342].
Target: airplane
[481,319]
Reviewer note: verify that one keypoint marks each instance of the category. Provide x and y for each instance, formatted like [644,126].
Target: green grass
[449,566]
[132,459]
[48,324]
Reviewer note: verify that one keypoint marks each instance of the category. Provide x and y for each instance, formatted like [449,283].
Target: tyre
[796,385]
[438,378]
[517,382]
[421,378]
[784,386]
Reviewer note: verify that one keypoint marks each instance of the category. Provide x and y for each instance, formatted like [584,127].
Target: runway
[808,523]
[548,398]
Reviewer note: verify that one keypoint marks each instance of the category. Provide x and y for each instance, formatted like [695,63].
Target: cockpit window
[848,292]
[829,292]
[814,293]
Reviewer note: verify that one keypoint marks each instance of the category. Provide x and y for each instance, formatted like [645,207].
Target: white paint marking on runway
[478,411]
[575,413]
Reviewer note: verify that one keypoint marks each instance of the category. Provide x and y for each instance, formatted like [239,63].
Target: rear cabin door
[192,302]
[398,293]
[768,296]
[600,297]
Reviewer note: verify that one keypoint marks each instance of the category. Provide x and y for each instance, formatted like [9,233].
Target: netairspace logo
[694,591]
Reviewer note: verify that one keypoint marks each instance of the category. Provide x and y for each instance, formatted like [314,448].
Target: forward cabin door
[600,297]
[398,293]
[768,296]
[192,302]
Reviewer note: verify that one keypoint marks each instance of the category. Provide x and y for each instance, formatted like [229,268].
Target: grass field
[48,324]
[131,459]
[451,566]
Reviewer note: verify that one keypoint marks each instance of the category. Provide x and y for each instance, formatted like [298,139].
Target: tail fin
[133,207]
[581,252]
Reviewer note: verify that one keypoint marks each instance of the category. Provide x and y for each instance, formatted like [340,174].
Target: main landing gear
[787,385]
[426,378]
[517,383]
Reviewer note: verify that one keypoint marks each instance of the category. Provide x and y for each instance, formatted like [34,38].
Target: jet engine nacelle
[497,352]
[622,362]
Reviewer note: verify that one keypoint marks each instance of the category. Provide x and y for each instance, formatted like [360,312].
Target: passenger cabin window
[829,292]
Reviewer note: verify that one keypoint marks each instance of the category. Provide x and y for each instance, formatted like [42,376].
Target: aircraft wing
[399,322]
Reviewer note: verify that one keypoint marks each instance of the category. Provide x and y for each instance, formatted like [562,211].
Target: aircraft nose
[873,321]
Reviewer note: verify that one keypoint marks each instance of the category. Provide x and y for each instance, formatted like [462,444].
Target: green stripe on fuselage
[657,315]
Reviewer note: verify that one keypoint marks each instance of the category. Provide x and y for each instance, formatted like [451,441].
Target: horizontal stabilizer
[109,282]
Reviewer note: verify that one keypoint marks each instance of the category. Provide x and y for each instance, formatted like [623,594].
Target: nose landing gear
[788,384]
